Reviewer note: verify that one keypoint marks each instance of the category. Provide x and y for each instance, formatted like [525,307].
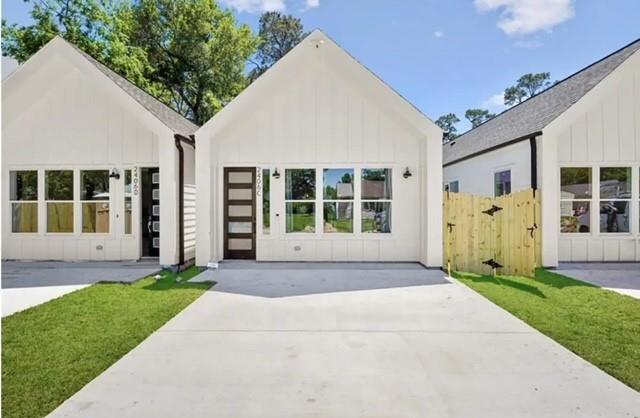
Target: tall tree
[478,116]
[278,34]
[526,86]
[189,53]
[448,125]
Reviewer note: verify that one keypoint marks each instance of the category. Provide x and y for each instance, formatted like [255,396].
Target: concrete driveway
[620,277]
[30,283]
[429,348]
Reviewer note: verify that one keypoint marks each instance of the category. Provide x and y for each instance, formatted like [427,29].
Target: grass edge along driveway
[51,351]
[601,326]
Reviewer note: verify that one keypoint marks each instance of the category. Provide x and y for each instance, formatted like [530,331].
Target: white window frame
[75,187]
[363,200]
[37,202]
[318,181]
[338,201]
[109,201]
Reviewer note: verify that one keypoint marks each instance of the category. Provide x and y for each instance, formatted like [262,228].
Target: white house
[91,165]
[319,160]
[578,144]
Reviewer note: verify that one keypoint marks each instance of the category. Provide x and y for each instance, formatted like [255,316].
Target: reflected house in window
[576,145]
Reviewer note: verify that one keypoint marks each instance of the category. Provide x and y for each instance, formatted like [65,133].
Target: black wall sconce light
[276,174]
[407,173]
[114,174]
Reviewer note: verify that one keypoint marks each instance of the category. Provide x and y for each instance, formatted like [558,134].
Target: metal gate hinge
[492,210]
[492,263]
[450,226]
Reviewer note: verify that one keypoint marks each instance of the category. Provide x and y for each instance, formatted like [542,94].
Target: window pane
[300,184]
[615,182]
[454,186]
[240,194]
[59,185]
[128,215]
[376,217]
[239,210]
[575,217]
[240,227]
[266,201]
[301,217]
[502,182]
[94,185]
[59,217]
[240,243]
[127,182]
[614,216]
[24,217]
[338,217]
[95,218]
[24,185]
[376,183]
[241,177]
[338,183]
[575,183]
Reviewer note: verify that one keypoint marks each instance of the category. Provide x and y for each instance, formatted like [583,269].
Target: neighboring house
[269,167]
[90,165]
[578,143]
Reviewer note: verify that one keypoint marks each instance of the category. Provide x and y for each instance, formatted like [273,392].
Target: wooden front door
[240,213]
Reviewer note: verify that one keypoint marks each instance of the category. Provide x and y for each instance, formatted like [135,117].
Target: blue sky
[450,55]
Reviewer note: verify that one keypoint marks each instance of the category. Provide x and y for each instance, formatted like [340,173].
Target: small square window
[502,183]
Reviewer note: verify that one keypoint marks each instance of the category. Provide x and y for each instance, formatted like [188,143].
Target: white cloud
[312,4]
[494,103]
[521,17]
[253,6]
[438,34]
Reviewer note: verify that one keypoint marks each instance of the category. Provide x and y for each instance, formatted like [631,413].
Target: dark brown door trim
[236,253]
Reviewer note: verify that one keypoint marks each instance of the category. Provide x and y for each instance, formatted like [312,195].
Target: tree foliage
[448,125]
[278,34]
[191,54]
[478,116]
[526,86]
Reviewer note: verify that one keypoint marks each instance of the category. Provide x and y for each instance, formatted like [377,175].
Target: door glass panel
[240,244]
[240,227]
[238,210]
[241,177]
[240,194]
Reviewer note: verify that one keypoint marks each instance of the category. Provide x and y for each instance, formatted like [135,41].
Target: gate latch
[532,230]
[492,263]
[492,210]
[450,226]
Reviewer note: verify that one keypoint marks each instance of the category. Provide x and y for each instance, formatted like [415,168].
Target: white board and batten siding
[312,112]
[602,130]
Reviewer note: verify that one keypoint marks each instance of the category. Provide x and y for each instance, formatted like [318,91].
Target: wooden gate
[492,235]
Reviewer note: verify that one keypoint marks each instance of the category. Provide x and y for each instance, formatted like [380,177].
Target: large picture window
[94,196]
[376,200]
[615,199]
[59,200]
[300,195]
[575,199]
[24,201]
[338,200]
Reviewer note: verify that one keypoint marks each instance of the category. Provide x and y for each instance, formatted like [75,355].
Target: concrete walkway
[620,277]
[30,283]
[428,349]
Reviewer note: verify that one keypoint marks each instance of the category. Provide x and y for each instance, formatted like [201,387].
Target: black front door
[240,213]
[150,195]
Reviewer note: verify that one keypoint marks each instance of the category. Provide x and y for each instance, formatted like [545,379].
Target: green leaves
[448,124]
[527,86]
[478,116]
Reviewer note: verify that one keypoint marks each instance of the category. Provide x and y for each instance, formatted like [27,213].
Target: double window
[338,200]
[24,201]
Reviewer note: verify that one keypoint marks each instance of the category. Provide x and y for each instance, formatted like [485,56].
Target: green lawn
[51,351]
[601,326]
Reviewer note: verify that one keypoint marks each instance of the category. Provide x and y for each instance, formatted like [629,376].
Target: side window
[502,183]
[575,199]
[94,197]
[376,200]
[338,200]
[128,202]
[300,195]
[24,201]
[59,200]
[615,199]
[266,201]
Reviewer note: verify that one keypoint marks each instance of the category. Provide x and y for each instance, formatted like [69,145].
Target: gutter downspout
[191,141]
[534,163]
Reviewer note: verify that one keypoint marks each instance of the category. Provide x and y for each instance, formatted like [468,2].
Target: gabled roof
[532,115]
[174,120]
[384,94]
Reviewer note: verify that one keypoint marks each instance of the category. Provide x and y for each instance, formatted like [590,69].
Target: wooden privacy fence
[487,235]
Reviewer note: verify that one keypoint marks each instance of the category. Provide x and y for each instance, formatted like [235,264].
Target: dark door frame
[240,254]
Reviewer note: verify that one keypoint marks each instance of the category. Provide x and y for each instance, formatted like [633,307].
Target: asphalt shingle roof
[533,115]
[174,120]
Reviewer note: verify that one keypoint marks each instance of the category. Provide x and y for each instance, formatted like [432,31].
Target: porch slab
[620,277]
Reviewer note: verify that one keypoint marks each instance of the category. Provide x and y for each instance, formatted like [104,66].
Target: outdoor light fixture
[114,174]
[407,173]
[276,174]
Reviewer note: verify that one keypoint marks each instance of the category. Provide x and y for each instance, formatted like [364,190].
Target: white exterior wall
[600,130]
[476,175]
[60,113]
[312,112]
